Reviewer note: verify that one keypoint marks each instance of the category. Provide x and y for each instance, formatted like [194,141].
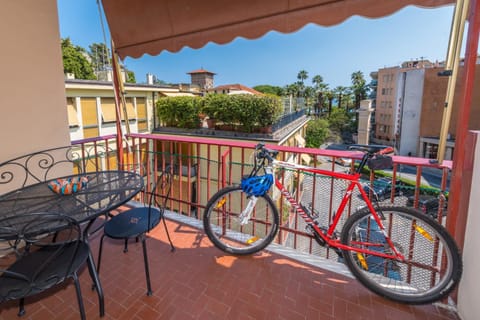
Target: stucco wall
[433,102]
[469,289]
[32,101]
[411,109]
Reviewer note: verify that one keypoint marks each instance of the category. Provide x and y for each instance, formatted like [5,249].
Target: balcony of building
[293,278]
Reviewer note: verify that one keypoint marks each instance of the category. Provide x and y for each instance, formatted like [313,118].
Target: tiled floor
[197,281]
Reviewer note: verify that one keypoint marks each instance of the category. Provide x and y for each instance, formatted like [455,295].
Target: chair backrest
[37,251]
[49,164]
[159,194]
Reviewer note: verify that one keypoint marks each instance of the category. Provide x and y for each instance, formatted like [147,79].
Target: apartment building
[409,108]
[91,107]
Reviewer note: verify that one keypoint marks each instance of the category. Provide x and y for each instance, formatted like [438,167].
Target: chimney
[150,78]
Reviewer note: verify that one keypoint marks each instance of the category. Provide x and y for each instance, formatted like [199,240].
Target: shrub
[270,109]
[182,112]
[317,133]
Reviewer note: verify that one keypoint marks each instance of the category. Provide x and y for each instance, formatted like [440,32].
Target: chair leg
[99,260]
[79,296]
[145,260]
[162,217]
[21,307]
[100,249]
[125,248]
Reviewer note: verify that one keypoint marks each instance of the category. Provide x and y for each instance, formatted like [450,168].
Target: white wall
[411,109]
[469,289]
[32,99]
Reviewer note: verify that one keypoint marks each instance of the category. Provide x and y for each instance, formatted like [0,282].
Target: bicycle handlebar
[264,153]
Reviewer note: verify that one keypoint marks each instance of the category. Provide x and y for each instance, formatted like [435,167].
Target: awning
[151,26]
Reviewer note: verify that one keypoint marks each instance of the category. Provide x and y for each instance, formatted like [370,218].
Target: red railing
[202,166]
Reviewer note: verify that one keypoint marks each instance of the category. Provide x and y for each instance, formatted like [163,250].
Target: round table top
[104,191]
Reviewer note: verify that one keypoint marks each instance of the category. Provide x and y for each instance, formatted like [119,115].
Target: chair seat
[132,223]
[59,268]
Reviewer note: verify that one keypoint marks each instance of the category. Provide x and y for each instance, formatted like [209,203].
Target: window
[89,117]
[72,113]
[130,110]
[142,115]
[109,112]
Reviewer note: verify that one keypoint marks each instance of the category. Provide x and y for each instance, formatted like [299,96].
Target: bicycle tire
[424,276]
[223,228]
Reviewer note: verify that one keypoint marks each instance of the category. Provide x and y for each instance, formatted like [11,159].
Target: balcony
[294,278]
[198,281]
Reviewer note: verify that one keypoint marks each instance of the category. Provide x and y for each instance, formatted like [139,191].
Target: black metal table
[104,191]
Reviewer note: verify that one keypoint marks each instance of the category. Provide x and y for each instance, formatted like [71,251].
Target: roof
[235,87]
[200,71]
[152,26]
[177,94]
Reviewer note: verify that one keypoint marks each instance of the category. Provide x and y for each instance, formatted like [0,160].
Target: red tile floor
[198,281]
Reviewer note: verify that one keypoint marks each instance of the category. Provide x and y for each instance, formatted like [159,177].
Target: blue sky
[332,52]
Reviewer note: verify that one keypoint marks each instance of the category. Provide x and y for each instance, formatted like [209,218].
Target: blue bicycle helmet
[257,186]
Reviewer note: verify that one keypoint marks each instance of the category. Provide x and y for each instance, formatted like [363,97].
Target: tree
[301,76]
[291,89]
[268,89]
[320,88]
[100,56]
[359,87]
[75,60]
[309,94]
[340,91]
[316,133]
[339,120]
[330,95]
[130,76]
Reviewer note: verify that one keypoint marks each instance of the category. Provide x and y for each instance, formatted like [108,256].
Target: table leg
[92,269]
[94,275]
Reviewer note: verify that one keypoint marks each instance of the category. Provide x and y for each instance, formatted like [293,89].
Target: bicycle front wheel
[236,230]
[431,265]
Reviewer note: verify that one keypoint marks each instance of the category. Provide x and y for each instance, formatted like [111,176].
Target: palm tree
[359,87]
[340,91]
[320,87]
[329,94]
[302,76]
[309,94]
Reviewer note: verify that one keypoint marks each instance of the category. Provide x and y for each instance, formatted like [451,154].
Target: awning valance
[151,26]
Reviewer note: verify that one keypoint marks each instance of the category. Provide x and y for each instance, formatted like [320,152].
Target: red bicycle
[395,251]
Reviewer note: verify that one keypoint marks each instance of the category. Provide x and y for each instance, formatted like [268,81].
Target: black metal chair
[39,251]
[137,222]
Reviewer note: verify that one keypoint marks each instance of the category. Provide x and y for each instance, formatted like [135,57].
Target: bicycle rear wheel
[222,221]
[432,264]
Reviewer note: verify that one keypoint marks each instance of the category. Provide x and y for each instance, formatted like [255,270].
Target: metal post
[451,69]
[117,87]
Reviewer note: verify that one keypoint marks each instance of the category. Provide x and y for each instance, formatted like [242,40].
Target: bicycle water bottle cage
[258,185]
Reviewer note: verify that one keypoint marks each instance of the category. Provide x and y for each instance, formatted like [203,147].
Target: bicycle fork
[244,217]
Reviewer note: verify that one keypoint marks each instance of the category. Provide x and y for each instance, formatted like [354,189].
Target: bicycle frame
[327,236]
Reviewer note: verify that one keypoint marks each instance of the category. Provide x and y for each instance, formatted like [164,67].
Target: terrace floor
[198,281]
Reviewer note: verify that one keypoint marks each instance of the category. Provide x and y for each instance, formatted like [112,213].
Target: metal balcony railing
[202,166]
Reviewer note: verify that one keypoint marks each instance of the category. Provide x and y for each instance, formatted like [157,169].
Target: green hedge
[181,112]
[241,111]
